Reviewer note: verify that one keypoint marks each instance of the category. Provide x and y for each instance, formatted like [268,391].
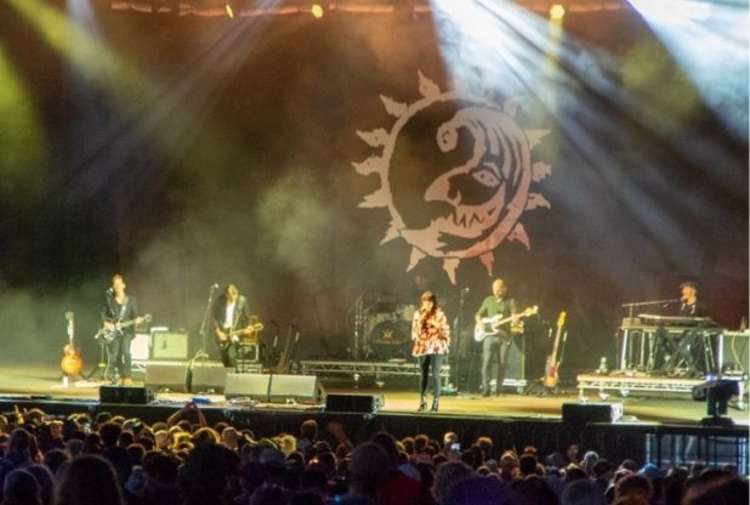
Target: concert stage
[652,429]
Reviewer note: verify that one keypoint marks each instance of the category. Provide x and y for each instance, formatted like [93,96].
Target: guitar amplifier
[166,345]
[139,346]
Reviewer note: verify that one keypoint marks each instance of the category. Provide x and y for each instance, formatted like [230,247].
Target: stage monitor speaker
[208,376]
[302,388]
[365,404]
[169,345]
[586,413]
[250,385]
[125,394]
[172,376]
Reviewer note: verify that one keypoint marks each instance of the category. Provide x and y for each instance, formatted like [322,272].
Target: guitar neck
[128,324]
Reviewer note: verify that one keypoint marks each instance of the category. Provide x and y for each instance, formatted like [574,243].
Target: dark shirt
[113,311]
[696,309]
[491,307]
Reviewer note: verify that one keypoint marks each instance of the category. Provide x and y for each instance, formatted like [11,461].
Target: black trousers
[495,346]
[434,361]
[227,355]
[119,361]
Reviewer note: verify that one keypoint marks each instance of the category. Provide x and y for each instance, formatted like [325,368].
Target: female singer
[431,336]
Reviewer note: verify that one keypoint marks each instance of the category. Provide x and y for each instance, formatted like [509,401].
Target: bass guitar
[552,367]
[226,338]
[490,326]
[72,362]
[110,334]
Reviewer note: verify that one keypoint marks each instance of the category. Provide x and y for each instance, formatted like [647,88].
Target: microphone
[110,291]
[274,323]
[215,285]
[466,290]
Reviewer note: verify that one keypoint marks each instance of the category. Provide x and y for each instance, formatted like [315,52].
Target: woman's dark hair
[89,480]
[21,488]
[429,295]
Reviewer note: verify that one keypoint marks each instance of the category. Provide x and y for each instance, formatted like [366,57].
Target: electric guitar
[489,326]
[231,337]
[552,366]
[72,362]
[109,335]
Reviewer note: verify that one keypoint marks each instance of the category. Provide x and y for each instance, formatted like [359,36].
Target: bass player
[498,304]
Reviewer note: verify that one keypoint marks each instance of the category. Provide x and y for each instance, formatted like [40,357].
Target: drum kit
[385,327]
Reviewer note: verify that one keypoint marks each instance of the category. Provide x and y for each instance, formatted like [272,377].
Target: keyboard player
[690,306]
[694,349]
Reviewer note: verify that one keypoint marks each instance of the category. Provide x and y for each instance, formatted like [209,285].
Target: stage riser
[617,442]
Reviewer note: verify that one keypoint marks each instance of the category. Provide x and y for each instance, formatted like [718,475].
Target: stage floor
[44,382]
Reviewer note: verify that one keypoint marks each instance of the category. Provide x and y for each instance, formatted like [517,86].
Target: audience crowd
[110,460]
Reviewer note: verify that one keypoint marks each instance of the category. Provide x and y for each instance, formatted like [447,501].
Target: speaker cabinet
[125,394]
[365,404]
[207,376]
[169,345]
[139,346]
[582,414]
[516,370]
[172,376]
[302,388]
[250,385]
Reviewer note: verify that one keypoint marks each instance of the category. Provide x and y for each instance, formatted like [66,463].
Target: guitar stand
[538,388]
[102,365]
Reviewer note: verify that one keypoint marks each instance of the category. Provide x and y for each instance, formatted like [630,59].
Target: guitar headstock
[561,319]
[531,311]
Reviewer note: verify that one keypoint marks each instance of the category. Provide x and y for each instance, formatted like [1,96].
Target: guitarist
[496,345]
[119,306]
[230,314]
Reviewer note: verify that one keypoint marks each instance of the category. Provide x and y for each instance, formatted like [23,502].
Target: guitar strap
[124,307]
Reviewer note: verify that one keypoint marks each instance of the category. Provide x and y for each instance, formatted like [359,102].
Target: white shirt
[229,314]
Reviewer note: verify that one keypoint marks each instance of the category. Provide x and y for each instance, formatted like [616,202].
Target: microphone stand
[204,322]
[458,322]
[632,305]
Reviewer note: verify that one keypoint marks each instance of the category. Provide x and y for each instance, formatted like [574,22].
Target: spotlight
[317,11]
[230,11]
[556,12]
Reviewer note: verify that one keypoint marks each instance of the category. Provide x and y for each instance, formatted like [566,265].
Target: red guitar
[551,376]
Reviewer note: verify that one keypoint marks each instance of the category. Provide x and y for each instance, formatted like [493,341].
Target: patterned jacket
[431,336]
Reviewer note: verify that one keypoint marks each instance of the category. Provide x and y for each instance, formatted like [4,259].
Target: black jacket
[241,313]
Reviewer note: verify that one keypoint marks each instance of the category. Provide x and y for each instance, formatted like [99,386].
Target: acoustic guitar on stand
[72,362]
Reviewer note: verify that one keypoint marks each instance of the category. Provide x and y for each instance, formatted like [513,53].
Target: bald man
[496,345]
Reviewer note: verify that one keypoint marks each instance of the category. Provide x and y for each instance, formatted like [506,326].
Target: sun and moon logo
[456,174]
